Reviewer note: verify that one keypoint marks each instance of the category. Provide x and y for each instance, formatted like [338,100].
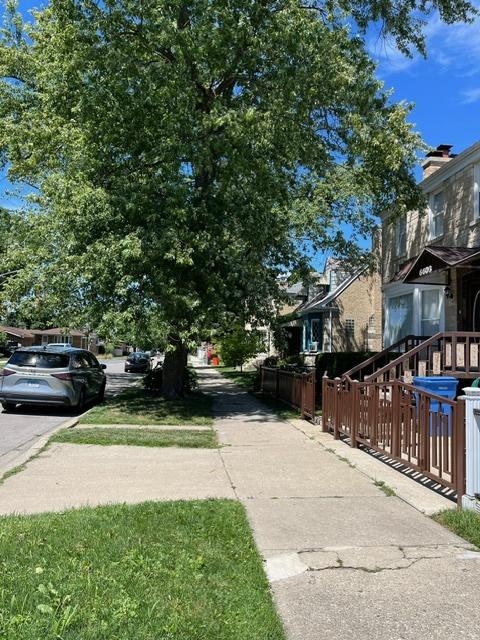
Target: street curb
[32,451]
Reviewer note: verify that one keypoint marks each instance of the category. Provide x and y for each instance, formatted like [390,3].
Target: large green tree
[184,153]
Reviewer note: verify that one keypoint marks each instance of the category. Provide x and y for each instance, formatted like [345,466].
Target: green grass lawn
[137,406]
[283,411]
[242,378]
[139,437]
[463,522]
[154,571]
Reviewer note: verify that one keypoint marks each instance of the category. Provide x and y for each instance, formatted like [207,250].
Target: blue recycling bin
[444,386]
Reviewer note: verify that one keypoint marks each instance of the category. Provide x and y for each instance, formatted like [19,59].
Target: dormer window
[400,237]
[437,214]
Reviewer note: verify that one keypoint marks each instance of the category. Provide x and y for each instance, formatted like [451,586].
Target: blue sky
[445,88]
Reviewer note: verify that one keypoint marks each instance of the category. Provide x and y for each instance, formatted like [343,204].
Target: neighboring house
[33,337]
[431,260]
[17,336]
[341,312]
[297,294]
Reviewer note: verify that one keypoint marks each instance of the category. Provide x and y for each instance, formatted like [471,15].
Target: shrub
[153,379]
[336,364]
[270,361]
[240,345]
[191,380]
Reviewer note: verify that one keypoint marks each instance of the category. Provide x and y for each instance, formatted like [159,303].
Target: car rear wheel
[8,406]
[81,401]
[101,395]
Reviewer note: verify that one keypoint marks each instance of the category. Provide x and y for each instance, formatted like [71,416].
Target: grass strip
[153,571]
[245,379]
[283,411]
[138,437]
[138,406]
[388,491]
[464,522]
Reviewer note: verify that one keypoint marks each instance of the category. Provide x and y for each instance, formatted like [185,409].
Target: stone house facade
[430,262]
[21,337]
[340,312]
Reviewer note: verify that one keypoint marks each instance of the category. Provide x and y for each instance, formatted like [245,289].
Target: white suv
[57,377]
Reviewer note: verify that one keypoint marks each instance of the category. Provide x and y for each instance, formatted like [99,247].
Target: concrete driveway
[20,430]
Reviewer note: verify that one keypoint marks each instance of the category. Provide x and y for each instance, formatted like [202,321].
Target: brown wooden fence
[423,431]
[296,389]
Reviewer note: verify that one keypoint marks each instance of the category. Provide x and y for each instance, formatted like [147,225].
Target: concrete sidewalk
[345,561]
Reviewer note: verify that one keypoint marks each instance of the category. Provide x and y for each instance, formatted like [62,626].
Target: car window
[80,362]
[93,361]
[40,360]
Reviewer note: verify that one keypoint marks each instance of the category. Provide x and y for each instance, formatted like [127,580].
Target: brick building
[431,259]
[341,311]
[32,337]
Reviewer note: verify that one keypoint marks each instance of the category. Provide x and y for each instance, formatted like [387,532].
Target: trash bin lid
[437,384]
[428,379]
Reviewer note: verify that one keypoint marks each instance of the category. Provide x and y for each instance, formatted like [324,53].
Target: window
[400,316]
[39,360]
[81,361]
[349,328]
[93,362]
[316,335]
[437,209]
[401,237]
[476,192]
[430,309]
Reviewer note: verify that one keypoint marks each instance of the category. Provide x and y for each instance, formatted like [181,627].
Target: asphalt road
[21,429]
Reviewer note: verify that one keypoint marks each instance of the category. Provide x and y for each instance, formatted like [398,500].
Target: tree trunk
[174,370]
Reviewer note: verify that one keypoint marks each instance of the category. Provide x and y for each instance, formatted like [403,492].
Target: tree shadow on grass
[138,406]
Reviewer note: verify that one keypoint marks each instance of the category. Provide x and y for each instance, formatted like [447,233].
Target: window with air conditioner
[316,334]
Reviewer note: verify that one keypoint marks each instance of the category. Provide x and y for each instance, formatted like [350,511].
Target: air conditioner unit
[314,346]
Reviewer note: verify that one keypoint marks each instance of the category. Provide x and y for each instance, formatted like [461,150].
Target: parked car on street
[6,350]
[137,362]
[59,345]
[40,376]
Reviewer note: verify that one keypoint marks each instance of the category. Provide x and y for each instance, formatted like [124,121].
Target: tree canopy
[182,154]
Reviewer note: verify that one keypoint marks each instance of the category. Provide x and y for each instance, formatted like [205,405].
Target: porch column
[472,447]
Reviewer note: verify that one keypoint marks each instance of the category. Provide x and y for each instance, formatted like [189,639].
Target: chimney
[436,159]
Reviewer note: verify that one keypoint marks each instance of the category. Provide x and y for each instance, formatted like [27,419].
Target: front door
[471,302]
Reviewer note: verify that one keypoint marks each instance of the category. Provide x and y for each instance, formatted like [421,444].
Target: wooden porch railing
[452,353]
[296,389]
[423,431]
[381,359]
